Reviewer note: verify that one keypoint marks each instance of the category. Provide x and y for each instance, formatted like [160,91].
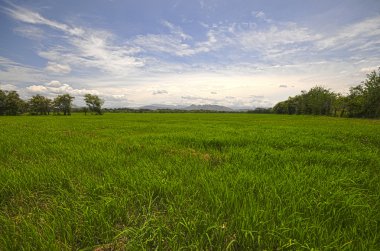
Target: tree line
[362,101]
[12,104]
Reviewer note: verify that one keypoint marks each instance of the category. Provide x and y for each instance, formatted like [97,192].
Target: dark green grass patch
[189,181]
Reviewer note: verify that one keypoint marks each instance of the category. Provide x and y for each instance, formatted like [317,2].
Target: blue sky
[237,53]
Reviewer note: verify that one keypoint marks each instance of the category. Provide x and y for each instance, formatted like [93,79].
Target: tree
[13,103]
[94,103]
[281,107]
[39,105]
[317,101]
[355,101]
[364,99]
[340,105]
[3,97]
[371,92]
[63,103]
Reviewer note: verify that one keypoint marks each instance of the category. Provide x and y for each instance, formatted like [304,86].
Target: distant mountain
[161,107]
[217,108]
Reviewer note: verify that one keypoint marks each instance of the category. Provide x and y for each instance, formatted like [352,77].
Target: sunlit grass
[193,181]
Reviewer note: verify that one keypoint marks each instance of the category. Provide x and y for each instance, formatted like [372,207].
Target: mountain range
[217,108]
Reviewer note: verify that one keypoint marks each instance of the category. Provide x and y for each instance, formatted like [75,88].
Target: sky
[240,54]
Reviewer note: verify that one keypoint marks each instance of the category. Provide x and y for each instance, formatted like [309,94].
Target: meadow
[189,182]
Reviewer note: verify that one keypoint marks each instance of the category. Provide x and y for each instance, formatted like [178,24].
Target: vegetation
[63,103]
[221,182]
[11,103]
[39,105]
[94,103]
[363,101]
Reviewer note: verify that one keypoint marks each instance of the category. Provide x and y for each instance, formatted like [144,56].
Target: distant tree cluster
[12,104]
[261,110]
[94,103]
[363,101]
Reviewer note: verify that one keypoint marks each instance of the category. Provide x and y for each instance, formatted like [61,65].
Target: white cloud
[242,59]
[8,87]
[55,87]
[116,97]
[176,30]
[357,36]
[260,14]
[31,32]
[54,84]
[37,89]
[369,69]
[31,17]
[230,101]
[274,38]
[177,42]
[87,47]
[13,72]
[96,50]
[58,68]
[158,92]
[200,99]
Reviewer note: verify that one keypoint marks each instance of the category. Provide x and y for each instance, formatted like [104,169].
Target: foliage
[362,101]
[3,96]
[317,101]
[63,103]
[355,102]
[11,103]
[94,103]
[157,182]
[39,105]
[340,105]
[261,110]
[372,94]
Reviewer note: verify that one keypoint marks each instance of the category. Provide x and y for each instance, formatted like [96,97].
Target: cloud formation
[55,87]
[177,64]
[85,47]
[58,68]
[158,92]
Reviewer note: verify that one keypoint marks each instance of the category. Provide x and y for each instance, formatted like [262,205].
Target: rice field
[189,182]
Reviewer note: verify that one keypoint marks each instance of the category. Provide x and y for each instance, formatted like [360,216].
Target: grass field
[189,181]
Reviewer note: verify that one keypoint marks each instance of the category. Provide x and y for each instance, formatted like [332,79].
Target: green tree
[94,103]
[281,107]
[340,105]
[39,105]
[63,103]
[371,92]
[319,101]
[3,97]
[364,99]
[355,101]
[13,103]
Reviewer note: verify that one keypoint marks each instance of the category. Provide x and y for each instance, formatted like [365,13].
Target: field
[189,181]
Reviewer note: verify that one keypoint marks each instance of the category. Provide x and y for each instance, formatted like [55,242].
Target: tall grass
[189,181]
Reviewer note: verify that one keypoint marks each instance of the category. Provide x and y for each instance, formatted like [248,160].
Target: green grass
[189,181]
